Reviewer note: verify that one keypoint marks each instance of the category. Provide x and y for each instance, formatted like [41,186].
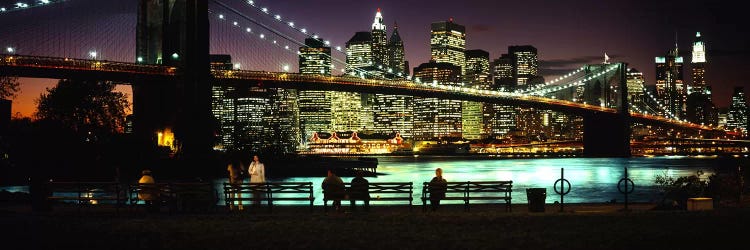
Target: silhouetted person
[359,191]
[148,192]
[333,189]
[437,188]
[235,170]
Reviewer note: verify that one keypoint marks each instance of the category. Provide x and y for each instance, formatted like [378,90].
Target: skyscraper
[475,124]
[448,43]
[737,116]
[635,82]
[314,105]
[698,64]
[238,111]
[503,116]
[379,41]
[393,113]
[437,118]
[670,89]
[281,133]
[396,54]
[359,54]
[525,64]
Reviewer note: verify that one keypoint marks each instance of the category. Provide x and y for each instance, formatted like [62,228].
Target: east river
[593,180]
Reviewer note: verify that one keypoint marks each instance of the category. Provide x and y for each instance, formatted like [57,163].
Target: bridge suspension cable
[280,35]
[586,78]
[19,6]
[337,48]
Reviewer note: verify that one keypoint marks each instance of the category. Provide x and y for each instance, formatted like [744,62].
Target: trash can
[536,197]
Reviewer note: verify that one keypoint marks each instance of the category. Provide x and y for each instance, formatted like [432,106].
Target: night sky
[567,34]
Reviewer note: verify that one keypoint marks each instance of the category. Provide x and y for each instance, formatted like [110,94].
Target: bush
[675,192]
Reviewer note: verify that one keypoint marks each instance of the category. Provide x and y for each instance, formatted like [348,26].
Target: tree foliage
[89,107]
[9,87]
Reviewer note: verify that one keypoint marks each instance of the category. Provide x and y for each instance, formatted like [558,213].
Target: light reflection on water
[593,179]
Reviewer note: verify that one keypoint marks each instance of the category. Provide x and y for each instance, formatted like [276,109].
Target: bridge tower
[606,134]
[176,113]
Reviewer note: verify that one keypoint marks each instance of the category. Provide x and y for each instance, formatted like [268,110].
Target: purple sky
[567,34]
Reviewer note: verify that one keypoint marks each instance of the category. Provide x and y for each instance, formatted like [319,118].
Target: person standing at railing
[148,191]
[257,175]
[236,172]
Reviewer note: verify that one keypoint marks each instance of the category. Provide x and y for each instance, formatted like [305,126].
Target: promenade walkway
[582,226]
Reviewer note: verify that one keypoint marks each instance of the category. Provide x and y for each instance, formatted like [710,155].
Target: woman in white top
[257,175]
[257,171]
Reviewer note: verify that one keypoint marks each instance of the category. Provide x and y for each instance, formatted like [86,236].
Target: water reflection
[592,179]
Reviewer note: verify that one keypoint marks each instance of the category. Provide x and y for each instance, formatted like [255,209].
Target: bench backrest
[267,189]
[465,189]
[87,191]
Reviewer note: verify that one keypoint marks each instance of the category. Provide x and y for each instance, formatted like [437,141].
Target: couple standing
[257,172]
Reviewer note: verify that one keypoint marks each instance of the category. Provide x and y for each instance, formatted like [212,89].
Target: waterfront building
[448,43]
[737,117]
[314,105]
[353,143]
[670,89]
[436,118]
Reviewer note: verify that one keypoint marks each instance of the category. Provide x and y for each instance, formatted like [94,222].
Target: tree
[9,87]
[86,107]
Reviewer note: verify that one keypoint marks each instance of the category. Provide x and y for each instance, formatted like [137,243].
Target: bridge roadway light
[10,50]
[139,59]
[236,66]
[285,68]
[175,55]
[92,54]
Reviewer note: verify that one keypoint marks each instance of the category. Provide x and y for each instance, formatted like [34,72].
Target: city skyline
[650,32]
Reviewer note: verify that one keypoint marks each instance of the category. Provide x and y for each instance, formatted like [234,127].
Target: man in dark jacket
[359,191]
[333,189]
[437,187]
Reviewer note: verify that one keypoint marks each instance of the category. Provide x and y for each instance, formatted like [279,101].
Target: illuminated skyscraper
[238,111]
[503,116]
[379,41]
[359,53]
[314,105]
[475,118]
[635,82]
[437,118]
[396,54]
[698,64]
[737,116]
[281,133]
[315,58]
[525,64]
[448,43]
[393,113]
[670,89]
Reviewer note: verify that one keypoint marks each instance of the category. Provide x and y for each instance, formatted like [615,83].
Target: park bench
[471,190]
[88,193]
[184,196]
[378,191]
[269,192]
